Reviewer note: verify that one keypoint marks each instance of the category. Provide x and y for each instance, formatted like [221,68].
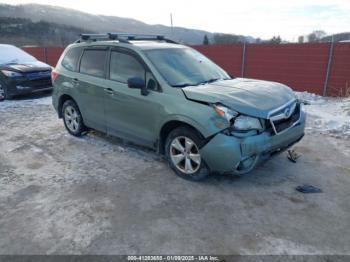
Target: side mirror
[136,82]
[139,83]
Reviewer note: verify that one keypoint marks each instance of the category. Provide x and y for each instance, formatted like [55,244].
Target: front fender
[207,124]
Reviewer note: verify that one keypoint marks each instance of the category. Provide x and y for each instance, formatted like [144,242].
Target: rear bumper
[230,154]
[23,86]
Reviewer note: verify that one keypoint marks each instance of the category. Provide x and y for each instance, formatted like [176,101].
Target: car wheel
[3,93]
[72,118]
[182,151]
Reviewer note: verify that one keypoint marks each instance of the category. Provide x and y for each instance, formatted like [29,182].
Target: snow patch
[278,246]
[25,102]
[327,115]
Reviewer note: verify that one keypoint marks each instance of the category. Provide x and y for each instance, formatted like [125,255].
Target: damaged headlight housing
[243,122]
[225,112]
[239,122]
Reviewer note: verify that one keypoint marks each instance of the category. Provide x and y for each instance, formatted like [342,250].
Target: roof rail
[97,37]
[140,37]
[122,37]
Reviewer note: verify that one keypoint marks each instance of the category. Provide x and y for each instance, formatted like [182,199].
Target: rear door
[91,86]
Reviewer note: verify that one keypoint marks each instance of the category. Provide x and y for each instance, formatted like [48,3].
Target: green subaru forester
[169,97]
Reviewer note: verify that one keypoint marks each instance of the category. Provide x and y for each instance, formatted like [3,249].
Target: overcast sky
[258,18]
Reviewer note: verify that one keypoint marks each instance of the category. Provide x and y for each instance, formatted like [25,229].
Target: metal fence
[321,68]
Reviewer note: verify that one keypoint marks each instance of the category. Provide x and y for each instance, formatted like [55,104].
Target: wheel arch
[170,125]
[63,98]
[5,87]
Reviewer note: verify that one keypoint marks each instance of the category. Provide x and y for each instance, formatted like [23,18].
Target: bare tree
[228,39]
[316,36]
[301,39]
[275,40]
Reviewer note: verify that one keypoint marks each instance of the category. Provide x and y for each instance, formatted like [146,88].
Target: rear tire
[182,152]
[72,118]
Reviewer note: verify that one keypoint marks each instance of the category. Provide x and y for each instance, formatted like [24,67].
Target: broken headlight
[225,112]
[244,123]
[239,122]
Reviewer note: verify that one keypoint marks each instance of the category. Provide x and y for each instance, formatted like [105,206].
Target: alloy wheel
[71,117]
[185,155]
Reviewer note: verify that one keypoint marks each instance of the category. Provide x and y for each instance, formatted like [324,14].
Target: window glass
[93,62]
[181,67]
[70,61]
[124,66]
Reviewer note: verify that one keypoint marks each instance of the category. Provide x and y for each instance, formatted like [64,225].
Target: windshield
[13,55]
[182,67]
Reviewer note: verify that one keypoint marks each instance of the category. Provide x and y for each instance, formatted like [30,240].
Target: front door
[129,114]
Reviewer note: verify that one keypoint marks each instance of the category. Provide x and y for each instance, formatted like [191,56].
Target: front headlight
[247,123]
[225,112]
[11,73]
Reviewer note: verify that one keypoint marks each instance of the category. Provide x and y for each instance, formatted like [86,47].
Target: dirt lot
[97,195]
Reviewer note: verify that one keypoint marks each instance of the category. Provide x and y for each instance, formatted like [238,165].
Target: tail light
[54,74]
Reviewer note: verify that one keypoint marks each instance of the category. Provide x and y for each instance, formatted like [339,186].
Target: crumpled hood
[247,96]
[28,67]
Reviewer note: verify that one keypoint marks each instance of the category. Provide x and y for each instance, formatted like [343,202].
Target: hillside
[20,31]
[98,23]
[337,37]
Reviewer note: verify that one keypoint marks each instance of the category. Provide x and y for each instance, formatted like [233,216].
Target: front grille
[283,124]
[279,123]
[38,80]
[40,83]
[38,75]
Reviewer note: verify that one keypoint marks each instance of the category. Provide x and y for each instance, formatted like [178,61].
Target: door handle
[75,81]
[109,91]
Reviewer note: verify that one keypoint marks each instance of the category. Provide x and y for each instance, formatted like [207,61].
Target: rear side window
[93,62]
[71,59]
[124,66]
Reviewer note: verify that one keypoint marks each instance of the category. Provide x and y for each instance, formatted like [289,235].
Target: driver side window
[124,66]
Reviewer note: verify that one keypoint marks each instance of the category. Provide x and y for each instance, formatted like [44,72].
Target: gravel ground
[96,195]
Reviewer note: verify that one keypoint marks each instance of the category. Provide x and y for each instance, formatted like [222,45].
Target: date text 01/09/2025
[173,258]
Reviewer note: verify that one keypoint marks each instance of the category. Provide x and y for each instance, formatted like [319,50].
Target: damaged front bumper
[233,154]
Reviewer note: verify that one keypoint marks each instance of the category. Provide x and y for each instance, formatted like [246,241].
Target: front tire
[3,93]
[72,118]
[182,152]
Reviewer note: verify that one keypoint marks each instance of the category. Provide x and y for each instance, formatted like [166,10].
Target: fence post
[45,54]
[243,60]
[330,58]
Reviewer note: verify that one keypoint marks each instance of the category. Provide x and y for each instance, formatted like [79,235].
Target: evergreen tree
[205,40]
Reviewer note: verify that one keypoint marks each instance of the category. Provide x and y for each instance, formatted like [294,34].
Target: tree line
[21,31]
[316,36]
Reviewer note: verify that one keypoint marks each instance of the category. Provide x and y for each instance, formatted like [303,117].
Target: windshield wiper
[185,84]
[212,80]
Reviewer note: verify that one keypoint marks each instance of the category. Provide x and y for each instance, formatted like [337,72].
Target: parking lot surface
[97,195]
